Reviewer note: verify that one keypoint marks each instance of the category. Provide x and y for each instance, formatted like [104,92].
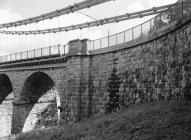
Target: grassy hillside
[152,121]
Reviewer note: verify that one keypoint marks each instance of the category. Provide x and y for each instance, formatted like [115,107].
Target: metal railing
[140,32]
[36,53]
[173,13]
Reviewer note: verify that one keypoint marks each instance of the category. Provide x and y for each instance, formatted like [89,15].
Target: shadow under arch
[5,87]
[6,97]
[38,94]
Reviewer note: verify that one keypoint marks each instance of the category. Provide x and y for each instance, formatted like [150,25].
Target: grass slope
[152,121]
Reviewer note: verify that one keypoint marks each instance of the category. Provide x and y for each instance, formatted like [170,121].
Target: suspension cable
[127,16]
[56,13]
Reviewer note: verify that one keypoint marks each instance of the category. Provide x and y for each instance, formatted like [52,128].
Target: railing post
[100,43]
[141,31]
[64,49]
[108,39]
[93,44]
[124,36]
[132,34]
[41,52]
[34,53]
[58,48]
[116,38]
[150,25]
[49,50]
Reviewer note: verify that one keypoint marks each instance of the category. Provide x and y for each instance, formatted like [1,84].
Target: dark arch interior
[5,87]
[34,88]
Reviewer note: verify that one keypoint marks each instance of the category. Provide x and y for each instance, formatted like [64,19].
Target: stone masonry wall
[159,69]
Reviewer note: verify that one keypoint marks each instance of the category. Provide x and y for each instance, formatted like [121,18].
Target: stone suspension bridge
[66,83]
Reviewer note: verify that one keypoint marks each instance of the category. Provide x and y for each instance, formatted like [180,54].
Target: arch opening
[6,97]
[38,104]
[5,88]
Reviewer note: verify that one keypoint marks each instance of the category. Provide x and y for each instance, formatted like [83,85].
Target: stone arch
[5,87]
[6,97]
[38,103]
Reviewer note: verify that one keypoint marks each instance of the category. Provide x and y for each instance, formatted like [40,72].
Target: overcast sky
[11,10]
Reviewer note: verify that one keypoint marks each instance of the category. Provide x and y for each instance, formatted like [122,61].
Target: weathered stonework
[159,68]
[154,70]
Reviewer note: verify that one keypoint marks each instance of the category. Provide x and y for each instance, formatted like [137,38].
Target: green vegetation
[151,121]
